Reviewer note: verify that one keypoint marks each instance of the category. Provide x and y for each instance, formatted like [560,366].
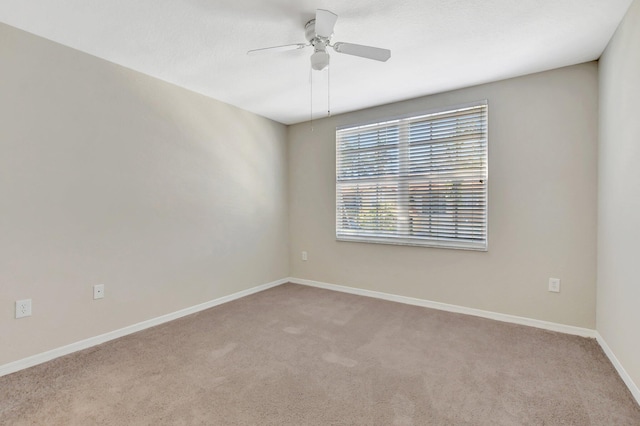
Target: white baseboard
[21,364]
[635,391]
[567,329]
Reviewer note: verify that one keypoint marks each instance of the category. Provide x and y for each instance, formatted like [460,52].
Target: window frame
[409,240]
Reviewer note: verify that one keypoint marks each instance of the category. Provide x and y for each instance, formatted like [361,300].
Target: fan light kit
[318,33]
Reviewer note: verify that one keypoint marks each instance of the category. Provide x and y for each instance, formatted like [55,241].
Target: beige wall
[618,311]
[109,176]
[542,205]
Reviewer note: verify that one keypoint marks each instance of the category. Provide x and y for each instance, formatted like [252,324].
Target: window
[420,180]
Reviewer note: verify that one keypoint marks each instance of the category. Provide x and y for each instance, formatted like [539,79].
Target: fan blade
[325,21]
[282,48]
[368,52]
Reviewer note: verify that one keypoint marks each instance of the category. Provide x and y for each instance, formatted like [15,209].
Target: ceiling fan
[318,33]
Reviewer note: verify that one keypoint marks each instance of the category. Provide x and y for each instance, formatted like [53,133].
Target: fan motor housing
[311,36]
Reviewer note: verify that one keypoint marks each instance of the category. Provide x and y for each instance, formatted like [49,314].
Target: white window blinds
[418,181]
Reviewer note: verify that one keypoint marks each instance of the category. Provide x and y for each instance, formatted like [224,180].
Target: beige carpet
[296,355]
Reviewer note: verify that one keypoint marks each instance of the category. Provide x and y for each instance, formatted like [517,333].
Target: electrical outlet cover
[98,291]
[23,308]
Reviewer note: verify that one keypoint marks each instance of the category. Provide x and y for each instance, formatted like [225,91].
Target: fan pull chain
[311,97]
[329,92]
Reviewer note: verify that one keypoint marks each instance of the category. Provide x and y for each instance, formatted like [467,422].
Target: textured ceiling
[436,45]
